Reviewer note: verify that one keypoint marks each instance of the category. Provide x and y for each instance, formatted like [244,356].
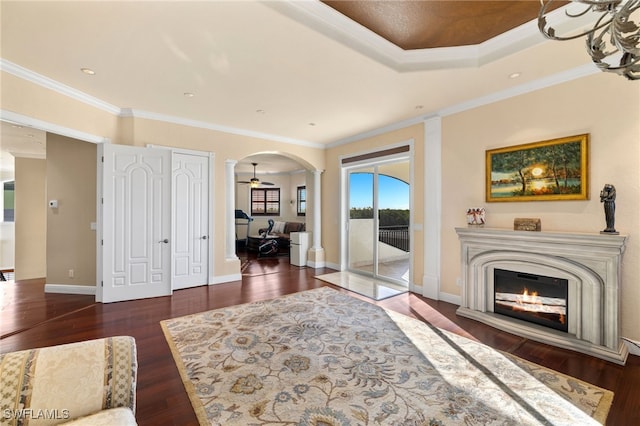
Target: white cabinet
[298,249]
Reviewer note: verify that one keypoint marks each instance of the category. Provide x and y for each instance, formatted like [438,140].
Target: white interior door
[190,220]
[136,223]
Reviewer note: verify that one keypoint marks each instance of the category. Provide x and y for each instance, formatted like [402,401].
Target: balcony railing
[396,236]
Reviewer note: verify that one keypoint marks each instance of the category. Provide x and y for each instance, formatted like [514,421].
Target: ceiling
[432,24]
[299,72]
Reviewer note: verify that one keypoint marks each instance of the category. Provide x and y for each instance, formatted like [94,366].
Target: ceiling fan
[254,181]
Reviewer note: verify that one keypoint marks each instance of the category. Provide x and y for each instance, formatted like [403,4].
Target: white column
[230,203]
[432,207]
[316,253]
[317,215]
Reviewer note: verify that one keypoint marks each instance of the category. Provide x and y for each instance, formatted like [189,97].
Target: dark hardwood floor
[30,318]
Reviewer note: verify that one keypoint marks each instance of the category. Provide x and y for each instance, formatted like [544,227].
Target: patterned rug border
[604,406]
[600,414]
[188,385]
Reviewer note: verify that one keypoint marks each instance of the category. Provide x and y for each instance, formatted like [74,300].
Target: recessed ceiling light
[88,71]
[260,111]
[188,95]
[514,75]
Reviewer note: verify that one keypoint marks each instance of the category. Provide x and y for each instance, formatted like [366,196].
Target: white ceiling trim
[380,130]
[552,80]
[541,83]
[78,95]
[46,82]
[23,120]
[129,112]
[51,84]
[33,156]
[336,26]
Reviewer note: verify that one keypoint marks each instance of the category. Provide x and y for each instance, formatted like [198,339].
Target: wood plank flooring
[29,318]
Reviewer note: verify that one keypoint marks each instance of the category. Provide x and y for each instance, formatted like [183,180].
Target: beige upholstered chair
[91,382]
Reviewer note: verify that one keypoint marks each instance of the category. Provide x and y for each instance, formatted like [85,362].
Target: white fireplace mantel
[590,263]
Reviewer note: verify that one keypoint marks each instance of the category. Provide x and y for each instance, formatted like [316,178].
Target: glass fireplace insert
[535,298]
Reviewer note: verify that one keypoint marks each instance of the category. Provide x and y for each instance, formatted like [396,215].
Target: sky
[393,193]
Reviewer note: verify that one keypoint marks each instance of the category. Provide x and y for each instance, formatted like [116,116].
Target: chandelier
[613,38]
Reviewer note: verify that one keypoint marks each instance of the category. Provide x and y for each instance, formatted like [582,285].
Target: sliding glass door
[361,220]
[392,260]
[379,218]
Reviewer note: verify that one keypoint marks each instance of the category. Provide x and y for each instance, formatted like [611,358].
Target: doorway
[155,221]
[378,213]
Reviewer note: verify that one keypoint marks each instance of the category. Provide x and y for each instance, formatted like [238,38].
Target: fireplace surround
[590,263]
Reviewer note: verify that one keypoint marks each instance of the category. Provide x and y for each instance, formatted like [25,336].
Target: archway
[286,190]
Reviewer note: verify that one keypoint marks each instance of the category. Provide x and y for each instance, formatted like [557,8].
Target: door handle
[166,241]
[204,237]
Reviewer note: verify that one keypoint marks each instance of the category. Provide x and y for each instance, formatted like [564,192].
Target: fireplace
[530,297]
[578,274]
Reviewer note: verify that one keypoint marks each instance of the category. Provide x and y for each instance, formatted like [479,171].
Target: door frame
[369,158]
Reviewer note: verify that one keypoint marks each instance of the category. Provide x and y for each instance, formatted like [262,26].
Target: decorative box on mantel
[589,264]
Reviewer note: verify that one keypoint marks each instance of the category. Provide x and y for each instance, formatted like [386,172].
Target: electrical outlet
[458,281]
[71,273]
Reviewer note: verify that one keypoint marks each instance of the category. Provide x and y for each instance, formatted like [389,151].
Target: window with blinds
[302,201]
[265,201]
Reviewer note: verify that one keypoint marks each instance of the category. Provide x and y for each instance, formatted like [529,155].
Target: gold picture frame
[555,169]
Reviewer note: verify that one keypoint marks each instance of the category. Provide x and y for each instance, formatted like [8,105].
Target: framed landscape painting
[548,170]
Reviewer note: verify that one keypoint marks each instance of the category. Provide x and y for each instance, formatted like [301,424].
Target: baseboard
[430,286]
[450,298]
[332,265]
[220,279]
[89,290]
[634,346]
[316,265]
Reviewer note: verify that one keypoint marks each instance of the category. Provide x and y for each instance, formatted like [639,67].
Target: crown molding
[579,72]
[56,86]
[80,96]
[379,131]
[331,23]
[532,86]
[130,112]
[31,156]
[23,120]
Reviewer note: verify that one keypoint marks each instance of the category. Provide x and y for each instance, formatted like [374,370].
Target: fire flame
[531,299]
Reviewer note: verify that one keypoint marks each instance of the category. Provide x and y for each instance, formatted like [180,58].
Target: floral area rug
[321,357]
